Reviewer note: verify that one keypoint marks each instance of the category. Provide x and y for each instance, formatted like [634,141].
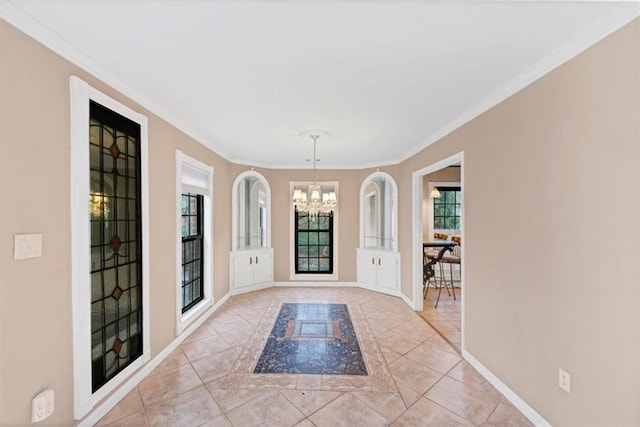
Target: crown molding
[14,15]
[603,27]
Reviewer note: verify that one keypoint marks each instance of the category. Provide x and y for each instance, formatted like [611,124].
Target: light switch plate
[27,246]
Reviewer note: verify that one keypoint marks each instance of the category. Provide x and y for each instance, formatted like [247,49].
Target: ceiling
[384,78]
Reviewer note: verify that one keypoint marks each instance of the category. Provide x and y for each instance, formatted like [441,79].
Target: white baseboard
[246,289]
[407,301]
[103,408]
[386,291]
[515,400]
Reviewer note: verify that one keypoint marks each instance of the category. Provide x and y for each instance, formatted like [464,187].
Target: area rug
[336,333]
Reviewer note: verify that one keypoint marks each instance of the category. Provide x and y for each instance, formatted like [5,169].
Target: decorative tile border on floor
[378,376]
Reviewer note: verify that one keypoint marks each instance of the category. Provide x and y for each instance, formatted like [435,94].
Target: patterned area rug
[375,377]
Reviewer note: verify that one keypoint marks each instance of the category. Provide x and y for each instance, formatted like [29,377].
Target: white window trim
[432,230]
[81,93]
[184,320]
[292,236]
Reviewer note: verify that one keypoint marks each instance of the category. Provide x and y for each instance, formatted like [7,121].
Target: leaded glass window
[116,243]
[447,209]
[314,243]
[192,250]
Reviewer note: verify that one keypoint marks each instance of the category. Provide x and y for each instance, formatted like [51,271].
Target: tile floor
[434,385]
[446,318]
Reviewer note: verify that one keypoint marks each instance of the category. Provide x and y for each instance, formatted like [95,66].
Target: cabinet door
[263,267]
[367,267]
[242,269]
[387,263]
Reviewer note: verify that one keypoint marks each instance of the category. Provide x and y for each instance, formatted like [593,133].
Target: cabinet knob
[256,259]
[373,260]
[379,261]
[250,260]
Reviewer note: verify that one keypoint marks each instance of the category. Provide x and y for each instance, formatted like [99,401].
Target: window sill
[190,316]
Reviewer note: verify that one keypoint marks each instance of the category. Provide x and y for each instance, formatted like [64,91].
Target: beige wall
[549,174]
[35,294]
[556,298]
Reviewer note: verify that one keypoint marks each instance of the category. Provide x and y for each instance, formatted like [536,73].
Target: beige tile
[433,357]
[427,413]
[417,331]
[466,401]
[416,376]
[204,347]
[174,360]
[204,331]
[442,344]
[229,324]
[221,421]
[389,405]
[309,402]
[238,337]
[467,374]
[230,398]
[408,396]
[398,342]
[346,410]
[129,405]
[163,385]
[390,355]
[216,366]
[272,381]
[346,382]
[271,409]
[192,408]
[309,382]
[139,419]
[507,415]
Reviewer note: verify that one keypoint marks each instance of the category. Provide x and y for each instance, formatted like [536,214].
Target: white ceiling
[385,78]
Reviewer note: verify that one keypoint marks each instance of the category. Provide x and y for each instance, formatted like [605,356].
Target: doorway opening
[441,299]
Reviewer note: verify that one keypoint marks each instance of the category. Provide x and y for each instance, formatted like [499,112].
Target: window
[116,274]
[446,209]
[109,253]
[192,250]
[314,243]
[194,240]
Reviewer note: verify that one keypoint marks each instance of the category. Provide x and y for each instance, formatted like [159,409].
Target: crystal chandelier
[314,201]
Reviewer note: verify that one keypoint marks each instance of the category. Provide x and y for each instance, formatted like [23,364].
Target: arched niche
[379,212]
[251,210]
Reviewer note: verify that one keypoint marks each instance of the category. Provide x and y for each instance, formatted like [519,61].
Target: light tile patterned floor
[446,318]
[435,386]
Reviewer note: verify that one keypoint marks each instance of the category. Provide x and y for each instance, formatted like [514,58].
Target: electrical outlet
[42,406]
[564,380]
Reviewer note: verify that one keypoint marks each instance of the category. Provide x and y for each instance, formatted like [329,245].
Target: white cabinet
[251,268]
[379,269]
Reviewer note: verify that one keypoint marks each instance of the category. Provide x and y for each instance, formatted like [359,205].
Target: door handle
[250,260]
[379,261]
[373,260]
[256,259]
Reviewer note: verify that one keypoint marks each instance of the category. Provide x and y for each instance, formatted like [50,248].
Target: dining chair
[453,259]
[438,282]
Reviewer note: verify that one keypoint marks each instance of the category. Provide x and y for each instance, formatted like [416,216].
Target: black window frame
[192,239]
[444,201]
[298,246]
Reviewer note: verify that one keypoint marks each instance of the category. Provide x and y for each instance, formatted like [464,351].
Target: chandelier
[314,201]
